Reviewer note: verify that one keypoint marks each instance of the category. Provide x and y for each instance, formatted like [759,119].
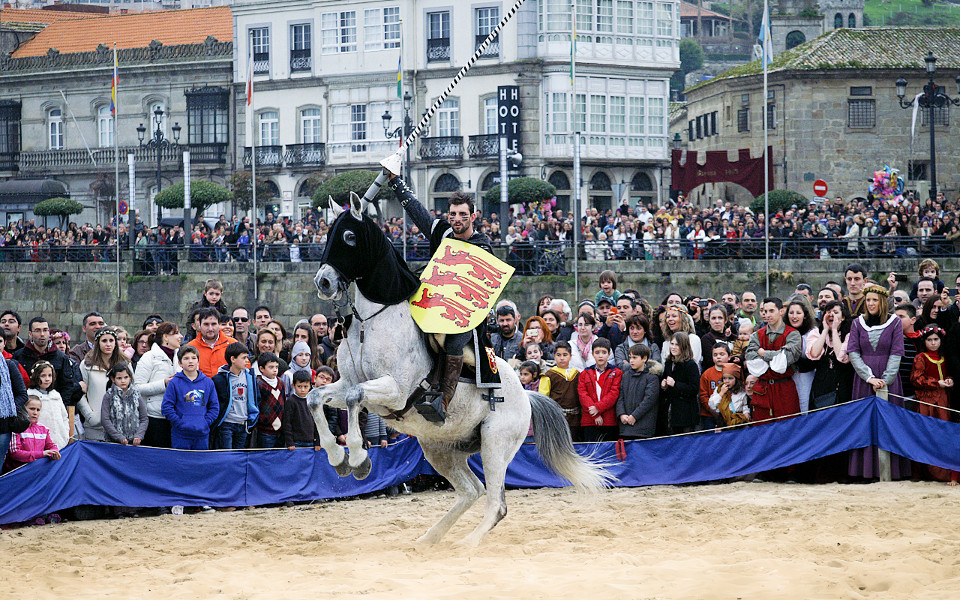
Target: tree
[339,187]
[240,186]
[691,59]
[203,195]
[780,200]
[61,207]
[522,190]
[312,182]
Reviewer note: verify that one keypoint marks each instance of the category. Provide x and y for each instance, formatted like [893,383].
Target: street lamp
[677,141]
[160,142]
[403,131]
[934,96]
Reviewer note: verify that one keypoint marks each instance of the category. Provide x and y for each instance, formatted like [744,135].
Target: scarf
[168,351]
[125,411]
[584,349]
[7,406]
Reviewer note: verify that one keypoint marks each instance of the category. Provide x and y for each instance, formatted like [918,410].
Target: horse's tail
[552,436]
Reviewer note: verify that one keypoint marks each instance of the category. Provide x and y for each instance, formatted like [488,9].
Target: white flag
[764,40]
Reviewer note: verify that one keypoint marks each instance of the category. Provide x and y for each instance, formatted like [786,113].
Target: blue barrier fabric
[114,475]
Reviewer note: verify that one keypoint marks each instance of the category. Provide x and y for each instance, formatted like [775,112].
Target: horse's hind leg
[451,464]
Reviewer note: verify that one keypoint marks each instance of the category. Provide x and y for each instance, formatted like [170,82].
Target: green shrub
[61,207]
[522,190]
[780,200]
[203,195]
[339,187]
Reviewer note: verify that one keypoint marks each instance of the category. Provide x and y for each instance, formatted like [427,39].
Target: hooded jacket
[191,406]
[152,370]
[221,382]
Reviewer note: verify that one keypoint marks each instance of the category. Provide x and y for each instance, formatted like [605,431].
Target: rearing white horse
[382,360]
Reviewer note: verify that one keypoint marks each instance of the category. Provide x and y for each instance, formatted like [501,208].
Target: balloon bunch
[887,184]
[541,209]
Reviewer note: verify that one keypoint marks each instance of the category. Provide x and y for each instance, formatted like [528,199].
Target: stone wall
[64,292]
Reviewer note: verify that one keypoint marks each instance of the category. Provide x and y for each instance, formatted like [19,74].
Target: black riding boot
[433,406]
[451,376]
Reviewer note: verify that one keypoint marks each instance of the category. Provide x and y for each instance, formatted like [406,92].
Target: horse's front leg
[317,397]
[382,391]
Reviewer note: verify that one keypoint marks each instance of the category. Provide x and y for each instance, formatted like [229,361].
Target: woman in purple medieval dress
[875,347]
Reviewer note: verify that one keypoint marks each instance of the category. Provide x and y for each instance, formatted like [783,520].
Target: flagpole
[765,27]
[116,161]
[253,163]
[575,137]
[404,166]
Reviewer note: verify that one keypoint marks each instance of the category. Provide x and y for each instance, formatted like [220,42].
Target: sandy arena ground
[744,540]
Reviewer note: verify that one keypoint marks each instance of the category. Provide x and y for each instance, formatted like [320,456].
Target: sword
[391,164]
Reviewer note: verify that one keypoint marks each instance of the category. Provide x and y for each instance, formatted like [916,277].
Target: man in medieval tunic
[459,224]
[771,354]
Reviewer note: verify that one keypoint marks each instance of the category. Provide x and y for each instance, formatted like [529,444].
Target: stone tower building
[793,22]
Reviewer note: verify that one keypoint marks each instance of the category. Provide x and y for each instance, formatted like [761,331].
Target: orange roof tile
[688,9]
[35,15]
[170,27]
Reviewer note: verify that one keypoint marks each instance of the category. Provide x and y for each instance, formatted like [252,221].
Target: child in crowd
[190,403]
[639,394]
[744,329]
[730,400]
[931,382]
[560,383]
[297,424]
[300,358]
[326,376]
[608,288]
[33,444]
[123,411]
[709,381]
[123,342]
[908,318]
[681,379]
[238,397]
[273,394]
[530,375]
[53,415]
[598,388]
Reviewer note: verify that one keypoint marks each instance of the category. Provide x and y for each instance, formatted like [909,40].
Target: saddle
[487,376]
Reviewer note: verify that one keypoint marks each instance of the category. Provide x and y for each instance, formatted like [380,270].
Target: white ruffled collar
[863,323]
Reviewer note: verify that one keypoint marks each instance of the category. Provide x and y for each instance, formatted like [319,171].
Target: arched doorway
[852,21]
[489,181]
[443,188]
[271,204]
[795,38]
[837,21]
[642,188]
[559,180]
[601,192]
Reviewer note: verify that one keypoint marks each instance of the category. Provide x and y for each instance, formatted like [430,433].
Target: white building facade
[325,72]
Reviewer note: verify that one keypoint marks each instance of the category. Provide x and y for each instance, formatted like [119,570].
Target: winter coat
[639,397]
[190,406]
[64,382]
[221,382]
[89,405]
[123,415]
[9,422]
[28,446]
[609,391]
[681,399]
[53,415]
[154,367]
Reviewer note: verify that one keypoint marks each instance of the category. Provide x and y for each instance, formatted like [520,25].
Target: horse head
[348,253]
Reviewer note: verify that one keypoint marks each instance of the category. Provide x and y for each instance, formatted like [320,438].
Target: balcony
[261,63]
[208,154]
[441,148]
[438,50]
[80,159]
[270,157]
[306,155]
[9,161]
[484,146]
[301,61]
[493,50]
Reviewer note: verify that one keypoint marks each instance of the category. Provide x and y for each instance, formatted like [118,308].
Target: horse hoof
[361,472]
[344,468]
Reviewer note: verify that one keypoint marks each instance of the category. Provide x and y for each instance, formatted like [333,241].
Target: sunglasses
[241,319]
[152,321]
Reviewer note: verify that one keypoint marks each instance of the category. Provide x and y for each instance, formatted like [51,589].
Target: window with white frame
[448,118]
[598,113]
[580,113]
[625,22]
[260,47]
[55,128]
[338,32]
[300,47]
[555,18]
[664,19]
[637,121]
[105,126]
[490,116]
[585,13]
[358,127]
[486,20]
[269,128]
[605,20]
[618,120]
[645,18]
[655,123]
[559,116]
[381,28]
[438,36]
[311,126]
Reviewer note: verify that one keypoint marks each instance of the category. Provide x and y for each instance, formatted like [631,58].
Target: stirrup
[430,406]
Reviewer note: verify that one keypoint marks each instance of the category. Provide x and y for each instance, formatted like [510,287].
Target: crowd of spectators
[679,230]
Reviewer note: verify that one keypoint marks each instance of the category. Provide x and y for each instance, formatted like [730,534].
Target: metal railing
[438,49]
[80,157]
[441,148]
[492,51]
[300,60]
[306,155]
[484,146]
[261,63]
[208,153]
[9,161]
[267,156]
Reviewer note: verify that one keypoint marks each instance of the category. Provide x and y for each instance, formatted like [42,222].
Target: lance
[392,162]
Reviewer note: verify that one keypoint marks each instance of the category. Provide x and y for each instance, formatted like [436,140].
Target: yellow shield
[460,285]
